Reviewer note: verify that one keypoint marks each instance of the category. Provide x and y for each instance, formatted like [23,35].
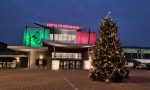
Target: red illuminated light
[62,26]
[82,37]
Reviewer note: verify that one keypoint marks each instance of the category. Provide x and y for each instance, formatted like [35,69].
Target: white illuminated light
[18,59]
[41,56]
[90,58]
[87,65]
[55,65]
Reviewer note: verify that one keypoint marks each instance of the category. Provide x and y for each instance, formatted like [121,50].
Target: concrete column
[32,59]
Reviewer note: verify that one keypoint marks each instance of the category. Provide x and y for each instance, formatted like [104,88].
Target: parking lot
[68,80]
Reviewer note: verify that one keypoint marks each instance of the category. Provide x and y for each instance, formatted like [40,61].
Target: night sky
[132,16]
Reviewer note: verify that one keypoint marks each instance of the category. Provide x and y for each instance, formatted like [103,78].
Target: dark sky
[132,16]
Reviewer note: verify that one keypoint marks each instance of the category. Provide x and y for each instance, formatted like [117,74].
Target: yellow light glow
[41,56]
[18,59]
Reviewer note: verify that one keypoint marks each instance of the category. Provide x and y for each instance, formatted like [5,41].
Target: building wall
[39,55]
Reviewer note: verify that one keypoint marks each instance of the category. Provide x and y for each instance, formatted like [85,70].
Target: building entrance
[71,64]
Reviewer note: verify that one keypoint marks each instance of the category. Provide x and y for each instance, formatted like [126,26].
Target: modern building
[57,46]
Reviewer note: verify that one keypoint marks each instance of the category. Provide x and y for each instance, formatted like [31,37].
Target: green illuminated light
[33,36]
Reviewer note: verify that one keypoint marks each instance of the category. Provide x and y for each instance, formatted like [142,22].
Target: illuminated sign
[33,36]
[62,26]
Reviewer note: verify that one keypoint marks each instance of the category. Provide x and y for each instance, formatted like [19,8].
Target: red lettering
[62,26]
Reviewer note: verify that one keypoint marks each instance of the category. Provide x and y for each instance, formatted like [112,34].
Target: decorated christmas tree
[109,60]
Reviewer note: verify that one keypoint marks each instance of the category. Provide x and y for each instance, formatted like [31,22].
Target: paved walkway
[68,80]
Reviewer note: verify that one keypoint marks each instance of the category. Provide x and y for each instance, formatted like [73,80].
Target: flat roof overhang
[13,56]
[67,45]
[27,48]
[11,53]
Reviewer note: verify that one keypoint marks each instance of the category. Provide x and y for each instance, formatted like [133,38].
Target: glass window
[51,36]
[80,56]
[56,37]
[64,55]
[52,55]
[40,62]
[73,37]
[75,55]
[70,55]
[60,37]
[69,38]
[58,55]
[65,37]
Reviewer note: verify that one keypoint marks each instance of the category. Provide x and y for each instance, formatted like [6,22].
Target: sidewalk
[67,80]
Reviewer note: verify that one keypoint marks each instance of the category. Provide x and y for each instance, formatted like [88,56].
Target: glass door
[71,64]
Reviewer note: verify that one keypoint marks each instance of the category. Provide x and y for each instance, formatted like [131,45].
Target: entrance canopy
[66,45]
[8,55]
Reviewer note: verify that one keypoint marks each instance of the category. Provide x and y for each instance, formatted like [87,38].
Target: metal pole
[89,37]
[53,34]
[54,53]
[25,43]
[137,54]
[29,59]
[142,57]
[44,32]
[53,41]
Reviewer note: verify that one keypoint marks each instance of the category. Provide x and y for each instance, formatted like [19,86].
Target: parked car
[141,66]
[129,64]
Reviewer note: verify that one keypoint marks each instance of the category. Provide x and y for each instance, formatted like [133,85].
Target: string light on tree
[109,61]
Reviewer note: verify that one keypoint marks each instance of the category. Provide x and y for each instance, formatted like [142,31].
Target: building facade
[57,46]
